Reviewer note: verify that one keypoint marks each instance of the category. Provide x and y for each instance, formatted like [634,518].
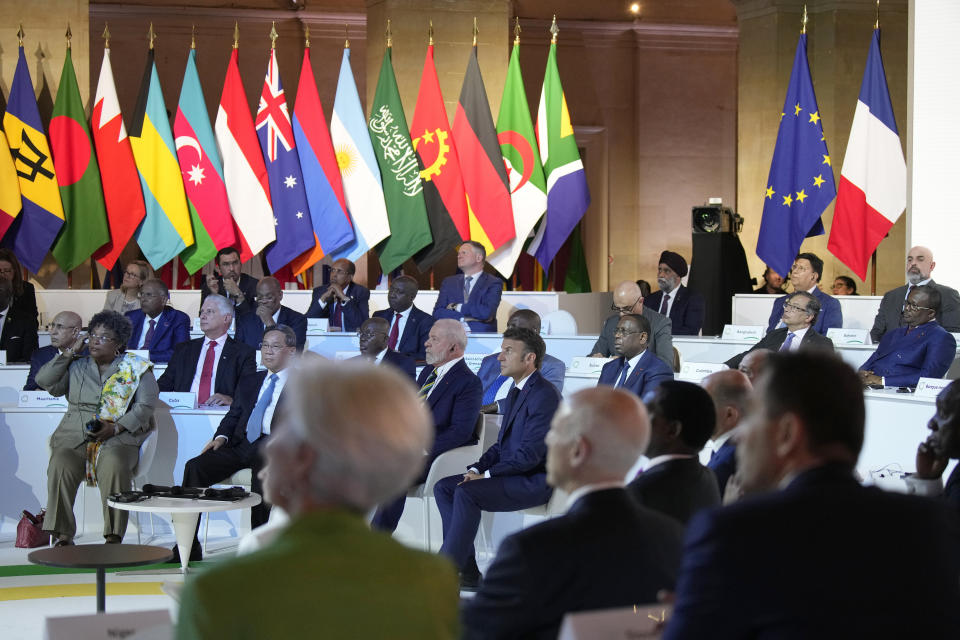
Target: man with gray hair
[63,331]
[339,451]
[606,551]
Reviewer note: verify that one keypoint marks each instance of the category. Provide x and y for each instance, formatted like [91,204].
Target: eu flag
[800,185]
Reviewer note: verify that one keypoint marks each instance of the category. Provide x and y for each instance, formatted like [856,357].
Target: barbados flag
[166,229]
[39,222]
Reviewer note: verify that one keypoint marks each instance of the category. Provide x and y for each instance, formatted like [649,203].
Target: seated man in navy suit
[373,346]
[607,551]
[512,473]
[343,301]
[934,453]
[730,391]
[212,366]
[805,276]
[63,331]
[919,349]
[809,533]
[452,392]
[496,386]
[637,369]
[798,316]
[227,280]
[269,313]
[673,480]
[409,326]
[156,325]
[684,307]
[472,296]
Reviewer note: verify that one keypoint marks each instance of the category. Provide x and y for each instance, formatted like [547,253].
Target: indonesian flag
[873,182]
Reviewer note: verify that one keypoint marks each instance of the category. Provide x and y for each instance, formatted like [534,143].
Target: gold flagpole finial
[193,36]
[236,35]
[554,30]
[346,34]
[516,30]
[273,35]
[876,25]
[68,35]
[430,34]
[475,31]
[803,21]
[152,35]
[20,36]
[306,36]
[106,35]
[389,35]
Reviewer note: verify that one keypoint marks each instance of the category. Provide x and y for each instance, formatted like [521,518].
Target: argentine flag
[362,188]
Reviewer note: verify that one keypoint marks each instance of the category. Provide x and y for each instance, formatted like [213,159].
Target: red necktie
[206,375]
[337,315]
[394,332]
[147,338]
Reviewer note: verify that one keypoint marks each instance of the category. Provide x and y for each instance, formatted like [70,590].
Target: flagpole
[69,36]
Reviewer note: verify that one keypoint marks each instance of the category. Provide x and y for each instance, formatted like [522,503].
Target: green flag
[577,279]
[400,171]
[85,227]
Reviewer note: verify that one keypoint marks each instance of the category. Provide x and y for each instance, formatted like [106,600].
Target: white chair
[556,505]
[559,323]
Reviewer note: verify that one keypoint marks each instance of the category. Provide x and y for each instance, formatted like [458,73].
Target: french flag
[873,182]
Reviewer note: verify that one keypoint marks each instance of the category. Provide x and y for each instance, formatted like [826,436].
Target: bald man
[628,299]
[606,551]
[730,392]
[269,313]
[753,364]
[919,268]
[63,330]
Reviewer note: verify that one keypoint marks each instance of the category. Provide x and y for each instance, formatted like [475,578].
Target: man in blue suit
[511,474]
[343,301]
[452,392]
[269,313]
[63,331]
[372,339]
[496,386]
[156,325]
[637,369]
[730,391]
[408,326]
[473,295]
[810,553]
[920,349]
[805,276]
[684,307]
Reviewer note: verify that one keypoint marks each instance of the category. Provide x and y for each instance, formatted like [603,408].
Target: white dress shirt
[146,327]
[195,385]
[401,322]
[441,371]
[277,389]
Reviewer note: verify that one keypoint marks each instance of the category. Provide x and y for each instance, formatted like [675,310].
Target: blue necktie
[623,373]
[786,343]
[466,288]
[255,422]
[491,393]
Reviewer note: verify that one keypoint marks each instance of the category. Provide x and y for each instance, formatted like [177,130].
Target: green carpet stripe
[8,571]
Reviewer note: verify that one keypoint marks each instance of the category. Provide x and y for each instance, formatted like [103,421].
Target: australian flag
[801,183]
[290,210]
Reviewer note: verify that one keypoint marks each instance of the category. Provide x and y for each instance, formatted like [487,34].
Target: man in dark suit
[511,474]
[684,307]
[63,331]
[227,281]
[628,299]
[920,265]
[673,481]
[606,551]
[452,392]
[373,346]
[269,313]
[472,296]
[156,325]
[212,366]
[799,315]
[938,449]
[409,326]
[805,276]
[343,301]
[19,335]
[920,349]
[772,283]
[496,386]
[730,392]
[242,433]
[809,533]
[637,369]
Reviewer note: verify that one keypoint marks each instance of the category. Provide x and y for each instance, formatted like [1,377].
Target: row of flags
[288,185]
[873,180]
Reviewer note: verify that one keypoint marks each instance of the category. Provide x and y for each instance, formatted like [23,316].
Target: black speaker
[719,270]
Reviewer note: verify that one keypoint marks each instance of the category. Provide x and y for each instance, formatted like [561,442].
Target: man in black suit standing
[63,331]
[606,551]
[212,366]
[409,326]
[372,338]
[673,481]
[239,288]
[269,313]
[809,534]
[343,301]
[19,334]
[800,313]
[684,307]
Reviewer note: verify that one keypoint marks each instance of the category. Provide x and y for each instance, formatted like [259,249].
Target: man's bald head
[753,364]
[730,391]
[525,319]
[627,297]
[64,328]
[919,264]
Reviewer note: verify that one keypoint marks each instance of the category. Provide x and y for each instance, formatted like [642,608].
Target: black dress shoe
[63,542]
[196,553]
[470,580]
[112,538]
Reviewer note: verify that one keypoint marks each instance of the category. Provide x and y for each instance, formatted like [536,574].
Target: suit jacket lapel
[515,408]
[439,387]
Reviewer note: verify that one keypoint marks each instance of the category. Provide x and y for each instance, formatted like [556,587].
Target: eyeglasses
[370,334]
[269,297]
[795,307]
[132,275]
[144,294]
[272,348]
[99,339]
[909,306]
[627,309]
[624,332]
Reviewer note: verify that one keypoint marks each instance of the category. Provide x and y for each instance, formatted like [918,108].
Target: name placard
[317,324]
[744,332]
[930,387]
[143,353]
[39,400]
[142,624]
[840,335]
[473,360]
[587,365]
[697,371]
[179,399]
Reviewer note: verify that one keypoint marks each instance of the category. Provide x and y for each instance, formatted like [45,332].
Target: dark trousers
[460,507]
[216,465]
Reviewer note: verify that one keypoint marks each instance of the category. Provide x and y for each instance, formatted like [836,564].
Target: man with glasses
[799,315]
[270,313]
[919,349]
[227,281]
[157,326]
[372,338]
[63,332]
[471,296]
[343,301]
[805,276]
[637,369]
[628,299]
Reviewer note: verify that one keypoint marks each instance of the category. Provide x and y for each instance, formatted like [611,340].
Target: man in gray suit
[627,299]
[919,266]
